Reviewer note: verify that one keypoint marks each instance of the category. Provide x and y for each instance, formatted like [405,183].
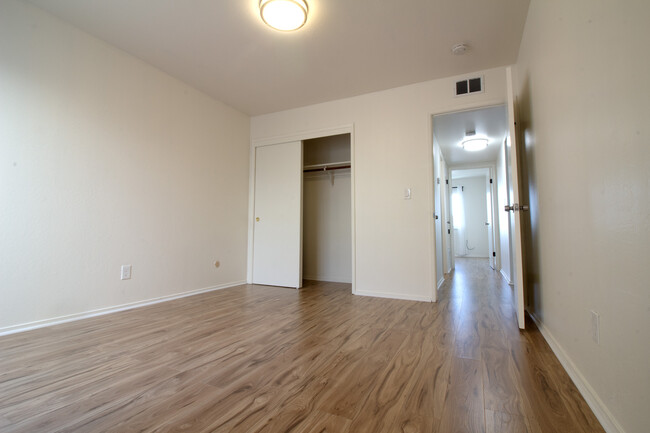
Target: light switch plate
[595,327]
[125,272]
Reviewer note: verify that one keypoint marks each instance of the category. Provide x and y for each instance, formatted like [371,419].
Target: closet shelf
[326,167]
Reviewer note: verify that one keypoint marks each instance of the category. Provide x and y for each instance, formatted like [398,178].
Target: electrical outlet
[126,272]
[595,327]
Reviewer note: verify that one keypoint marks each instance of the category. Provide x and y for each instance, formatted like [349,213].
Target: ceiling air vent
[471,85]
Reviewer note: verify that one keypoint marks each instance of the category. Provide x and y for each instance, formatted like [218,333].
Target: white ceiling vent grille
[470,85]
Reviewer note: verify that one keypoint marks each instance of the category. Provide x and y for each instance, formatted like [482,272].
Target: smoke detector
[459,49]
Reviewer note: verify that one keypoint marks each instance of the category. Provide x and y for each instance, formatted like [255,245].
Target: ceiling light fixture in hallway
[284,15]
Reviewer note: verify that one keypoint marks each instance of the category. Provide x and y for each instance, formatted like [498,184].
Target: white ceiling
[347,47]
[470,172]
[449,130]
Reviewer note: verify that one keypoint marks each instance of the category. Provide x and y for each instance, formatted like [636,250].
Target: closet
[326,218]
[302,212]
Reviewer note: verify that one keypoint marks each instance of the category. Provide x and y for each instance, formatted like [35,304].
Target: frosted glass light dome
[474,144]
[284,15]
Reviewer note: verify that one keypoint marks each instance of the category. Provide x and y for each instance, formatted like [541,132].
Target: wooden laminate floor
[265,359]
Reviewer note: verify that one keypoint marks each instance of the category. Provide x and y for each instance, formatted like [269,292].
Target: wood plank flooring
[266,359]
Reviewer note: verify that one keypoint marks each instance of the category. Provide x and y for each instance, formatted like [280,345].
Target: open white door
[277,236]
[516,207]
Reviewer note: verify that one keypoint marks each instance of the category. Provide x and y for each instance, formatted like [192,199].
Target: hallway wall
[583,97]
[475,239]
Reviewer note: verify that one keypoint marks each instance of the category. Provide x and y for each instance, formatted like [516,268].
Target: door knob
[516,207]
[257,219]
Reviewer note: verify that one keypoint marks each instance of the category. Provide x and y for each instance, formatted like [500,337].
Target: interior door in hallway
[515,205]
[277,235]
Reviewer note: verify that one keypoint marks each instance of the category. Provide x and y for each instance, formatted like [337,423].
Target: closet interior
[327,212]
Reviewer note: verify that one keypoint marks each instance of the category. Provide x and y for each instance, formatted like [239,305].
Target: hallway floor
[512,378]
[268,359]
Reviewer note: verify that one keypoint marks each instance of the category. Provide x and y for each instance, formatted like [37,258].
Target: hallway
[509,378]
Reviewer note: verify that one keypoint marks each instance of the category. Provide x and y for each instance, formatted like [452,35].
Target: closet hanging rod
[327,167]
[309,170]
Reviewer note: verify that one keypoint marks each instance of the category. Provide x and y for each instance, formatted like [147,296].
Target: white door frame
[496,235]
[446,216]
[299,136]
[432,236]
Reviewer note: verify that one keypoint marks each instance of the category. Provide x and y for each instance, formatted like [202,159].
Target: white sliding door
[277,236]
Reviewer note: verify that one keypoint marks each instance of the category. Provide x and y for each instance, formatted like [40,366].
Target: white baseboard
[394,296]
[506,276]
[328,279]
[601,411]
[108,310]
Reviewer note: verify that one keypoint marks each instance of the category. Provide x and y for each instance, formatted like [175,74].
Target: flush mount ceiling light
[284,15]
[474,144]
[459,49]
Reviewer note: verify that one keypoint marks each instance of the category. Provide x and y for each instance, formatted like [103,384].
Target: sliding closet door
[277,242]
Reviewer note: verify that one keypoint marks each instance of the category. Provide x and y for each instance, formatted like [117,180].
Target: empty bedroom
[243,216]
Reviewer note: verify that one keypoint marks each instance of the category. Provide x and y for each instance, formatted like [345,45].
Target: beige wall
[392,151]
[106,161]
[584,97]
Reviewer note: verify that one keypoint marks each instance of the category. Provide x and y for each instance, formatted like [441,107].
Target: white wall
[583,93]
[106,161]
[503,219]
[392,142]
[475,206]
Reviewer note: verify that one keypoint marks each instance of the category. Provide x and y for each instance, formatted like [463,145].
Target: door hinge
[494,253]
[490,180]
[438,180]
[448,231]
[447,181]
